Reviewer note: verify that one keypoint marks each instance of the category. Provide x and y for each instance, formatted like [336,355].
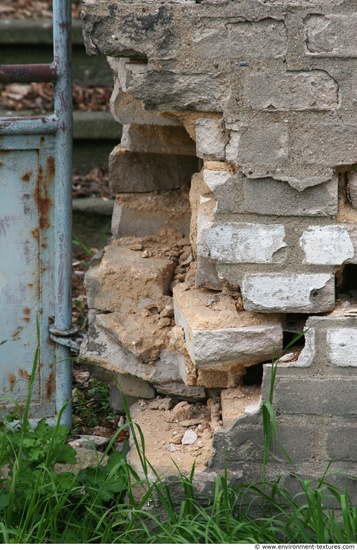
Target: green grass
[99,504]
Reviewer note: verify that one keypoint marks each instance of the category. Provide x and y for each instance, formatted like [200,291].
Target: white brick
[342,347]
[210,139]
[246,243]
[326,245]
[306,293]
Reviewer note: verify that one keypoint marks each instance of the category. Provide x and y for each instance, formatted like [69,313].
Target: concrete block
[238,41]
[326,245]
[227,189]
[211,139]
[315,396]
[146,213]
[341,442]
[305,293]
[267,196]
[145,138]
[295,91]
[216,333]
[342,346]
[245,242]
[324,142]
[331,35]
[261,143]
[243,442]
[236,402]
[123,277]
[144,172]
[126,109]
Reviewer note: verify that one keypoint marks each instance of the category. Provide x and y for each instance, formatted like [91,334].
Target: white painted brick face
[326,245]
[291,293]
[342,347]
[246,243]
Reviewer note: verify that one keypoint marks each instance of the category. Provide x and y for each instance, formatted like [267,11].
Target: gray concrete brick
[261,143]
[139,214]
[341,441]
[296,91]
[316,396]
[145,138]
[267,196]
[331,35]
[144,172]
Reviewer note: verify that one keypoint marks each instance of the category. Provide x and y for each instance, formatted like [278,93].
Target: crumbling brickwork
[235,223]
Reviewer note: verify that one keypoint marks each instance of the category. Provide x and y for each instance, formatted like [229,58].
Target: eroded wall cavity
[234,229]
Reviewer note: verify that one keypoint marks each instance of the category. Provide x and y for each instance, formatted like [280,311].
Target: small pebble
[171,447]
[189,438]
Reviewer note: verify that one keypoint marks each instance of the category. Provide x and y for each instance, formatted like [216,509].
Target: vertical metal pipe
[62,53]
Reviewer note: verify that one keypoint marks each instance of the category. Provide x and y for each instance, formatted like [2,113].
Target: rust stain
[27,312]
[51,167]
[1,165]
[50,385]
[12,381]
[26,177]
[24,374]
[42,140]
[36,233]
[42,199]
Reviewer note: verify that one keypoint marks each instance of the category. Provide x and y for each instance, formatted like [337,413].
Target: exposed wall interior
[234,228]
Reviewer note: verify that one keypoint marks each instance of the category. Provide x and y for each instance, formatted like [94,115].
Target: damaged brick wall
[235,224]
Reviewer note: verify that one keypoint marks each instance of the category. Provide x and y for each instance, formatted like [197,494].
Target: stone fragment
[305,293]
[211,140]
[145,172]
[189,437]
[216,333]
[140,214]
[327,245]
[244,242]
[122,278]
[181,390]
[171,447]
[181,411]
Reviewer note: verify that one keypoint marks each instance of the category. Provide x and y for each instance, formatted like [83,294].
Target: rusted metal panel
[36,237]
